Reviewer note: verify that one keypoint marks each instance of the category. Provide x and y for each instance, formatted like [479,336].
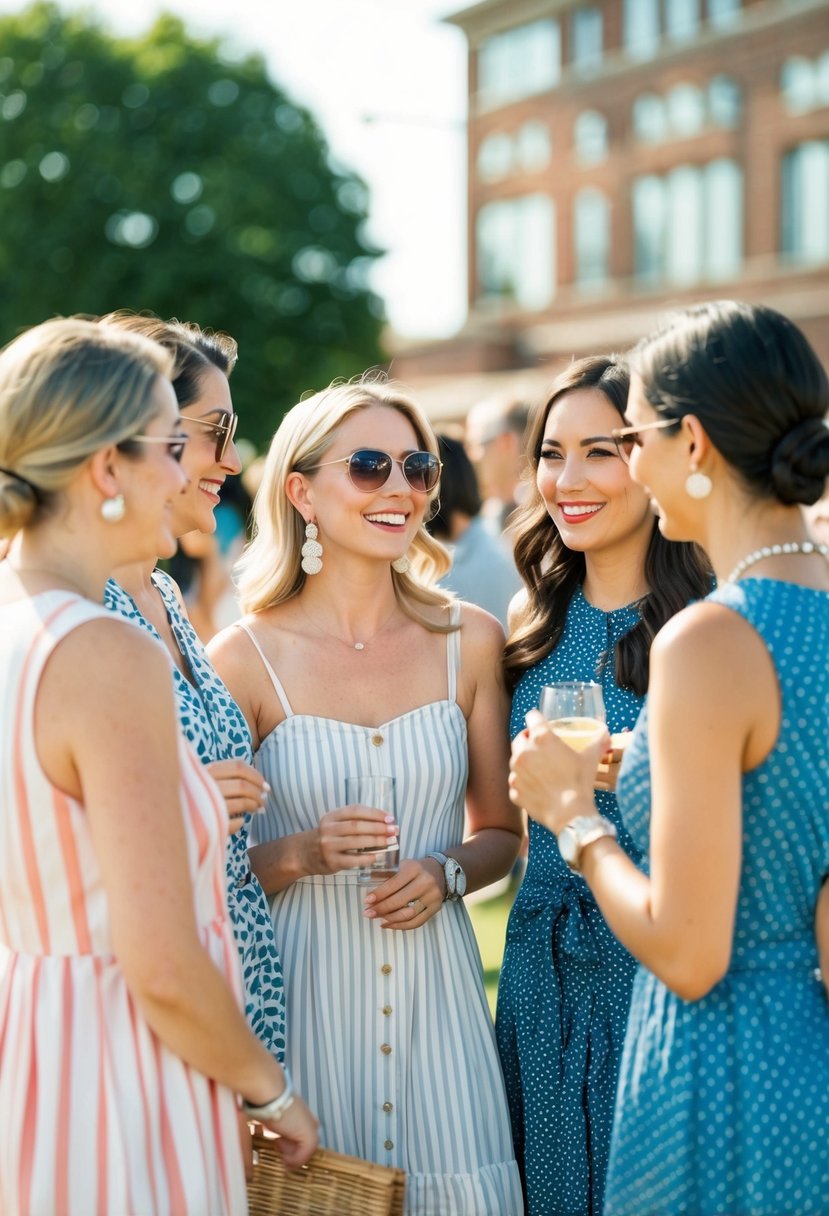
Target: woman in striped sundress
[121,1038]
[350,664]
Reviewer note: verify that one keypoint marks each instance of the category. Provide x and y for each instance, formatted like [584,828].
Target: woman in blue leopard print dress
[209,716]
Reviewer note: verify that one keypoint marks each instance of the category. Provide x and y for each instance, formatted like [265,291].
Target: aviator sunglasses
[369,470]
[627,438]
[224,428]
[175,443]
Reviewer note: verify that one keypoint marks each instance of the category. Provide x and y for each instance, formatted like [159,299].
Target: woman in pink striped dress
[122,1044]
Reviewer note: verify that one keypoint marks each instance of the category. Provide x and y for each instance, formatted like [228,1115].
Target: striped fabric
[389,1033]
[96,1116]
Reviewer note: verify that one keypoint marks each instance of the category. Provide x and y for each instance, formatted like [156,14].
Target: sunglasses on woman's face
[627,438]
[369,470]
[223,428]
[175,443]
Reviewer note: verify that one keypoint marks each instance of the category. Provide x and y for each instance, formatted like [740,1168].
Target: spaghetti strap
[277,686]
[453,652]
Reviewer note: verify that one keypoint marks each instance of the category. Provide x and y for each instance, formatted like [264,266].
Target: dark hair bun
[800,462]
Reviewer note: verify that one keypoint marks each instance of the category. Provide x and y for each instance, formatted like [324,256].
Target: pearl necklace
[807,546]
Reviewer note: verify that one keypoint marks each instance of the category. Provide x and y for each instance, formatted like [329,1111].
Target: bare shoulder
[706,636]
[232,646]
[480,630]
[111,650]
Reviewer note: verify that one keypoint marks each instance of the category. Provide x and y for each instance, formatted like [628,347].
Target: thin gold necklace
[351,645]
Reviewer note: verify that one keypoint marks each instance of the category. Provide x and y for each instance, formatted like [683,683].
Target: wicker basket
[331,1184]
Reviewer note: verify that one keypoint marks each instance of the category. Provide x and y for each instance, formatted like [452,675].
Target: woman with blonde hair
[122,1045]
[350,663]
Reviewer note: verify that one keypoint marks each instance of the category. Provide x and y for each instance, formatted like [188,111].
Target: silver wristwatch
[274,1110]
[581,831]
[454,874]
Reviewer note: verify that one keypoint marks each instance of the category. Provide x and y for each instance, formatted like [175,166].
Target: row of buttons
[388,1107]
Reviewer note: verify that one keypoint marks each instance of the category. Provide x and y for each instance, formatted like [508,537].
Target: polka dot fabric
[565,982]
[213,723]
[723,1103]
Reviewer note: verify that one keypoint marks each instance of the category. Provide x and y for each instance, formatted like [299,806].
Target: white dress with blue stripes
[389,1034]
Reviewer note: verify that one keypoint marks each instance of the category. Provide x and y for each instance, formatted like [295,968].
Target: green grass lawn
[489,920]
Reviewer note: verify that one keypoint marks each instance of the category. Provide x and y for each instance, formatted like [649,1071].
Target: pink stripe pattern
[96,1114]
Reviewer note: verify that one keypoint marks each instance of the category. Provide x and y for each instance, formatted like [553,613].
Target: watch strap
[276,1108]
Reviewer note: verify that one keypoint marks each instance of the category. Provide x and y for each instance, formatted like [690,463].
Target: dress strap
[453,652]
[277,686]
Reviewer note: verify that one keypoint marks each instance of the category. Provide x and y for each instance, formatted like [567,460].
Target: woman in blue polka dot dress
[723,1099]
[602,580]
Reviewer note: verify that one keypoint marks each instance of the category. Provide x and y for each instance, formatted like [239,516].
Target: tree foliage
[155,173]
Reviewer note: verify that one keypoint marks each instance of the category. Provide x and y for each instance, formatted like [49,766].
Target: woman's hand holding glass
[410,898]
[552,781]
[343,836]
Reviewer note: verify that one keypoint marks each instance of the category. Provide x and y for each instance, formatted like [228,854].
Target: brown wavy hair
[675,572]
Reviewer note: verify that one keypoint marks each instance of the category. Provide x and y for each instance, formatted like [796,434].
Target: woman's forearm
[278,863]
[487,855]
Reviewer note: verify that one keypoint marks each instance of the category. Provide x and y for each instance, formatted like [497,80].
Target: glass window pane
[723,219]
[649,223]
[650,122]
[519,62]
[590,137]
[515,247]
[591,237]
[641,28]
[724,101]
[805,211]
[684,254]
[586,38]
[722,13]
[495,157]
[797,84]
[533,146]
[681,19]
[686,110]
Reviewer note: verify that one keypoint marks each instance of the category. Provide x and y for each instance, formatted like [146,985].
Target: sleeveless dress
[723,1103]
[389,1033]
[565,980]
[215,726]
[96,1114]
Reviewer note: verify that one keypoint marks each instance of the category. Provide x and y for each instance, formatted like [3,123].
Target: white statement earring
[312,550]
[698,485]
[113,509]
[401,564]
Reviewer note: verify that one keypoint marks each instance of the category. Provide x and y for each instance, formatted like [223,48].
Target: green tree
[154,173]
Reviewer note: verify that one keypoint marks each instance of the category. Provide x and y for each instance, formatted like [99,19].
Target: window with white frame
[516,250]
[640,28]
[495,156]
[590,137]
[533,146]
[805,202]
[688,226]
[586,38]
[650,121]
[591,237]
[681,19]
[723,13]
[520,62]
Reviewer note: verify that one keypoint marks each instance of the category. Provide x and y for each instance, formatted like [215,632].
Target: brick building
[626,156]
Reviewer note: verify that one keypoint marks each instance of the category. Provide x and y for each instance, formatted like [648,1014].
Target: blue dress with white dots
[723,1103]
[565,982]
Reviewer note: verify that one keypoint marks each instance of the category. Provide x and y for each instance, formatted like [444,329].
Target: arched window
[590,137]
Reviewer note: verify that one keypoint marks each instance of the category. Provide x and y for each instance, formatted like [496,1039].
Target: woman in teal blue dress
[601,581]
[723,1098]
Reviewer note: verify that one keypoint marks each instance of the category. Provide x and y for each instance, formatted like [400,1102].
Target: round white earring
[698,485]
[113,509]
[401,564]
[312,550]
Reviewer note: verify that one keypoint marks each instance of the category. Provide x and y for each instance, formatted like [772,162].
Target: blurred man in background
[495,444]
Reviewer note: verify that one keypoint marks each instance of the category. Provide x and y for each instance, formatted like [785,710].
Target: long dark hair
[674,572]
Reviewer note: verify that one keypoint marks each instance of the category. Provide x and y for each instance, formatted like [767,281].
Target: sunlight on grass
[489,920]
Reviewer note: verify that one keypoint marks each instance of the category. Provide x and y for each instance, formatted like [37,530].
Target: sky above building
[386,80]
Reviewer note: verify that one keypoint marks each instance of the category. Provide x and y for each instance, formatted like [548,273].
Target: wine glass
[575,711]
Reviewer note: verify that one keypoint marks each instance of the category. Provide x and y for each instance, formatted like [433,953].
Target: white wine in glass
[575,711]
